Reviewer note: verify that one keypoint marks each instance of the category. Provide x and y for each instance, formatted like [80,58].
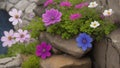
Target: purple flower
[65,4]
[84,41]
[81,5]
[75,16]
[51,16]
[48,2]
[43,50]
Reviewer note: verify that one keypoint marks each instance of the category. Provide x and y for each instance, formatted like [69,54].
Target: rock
[34,1]
[61,61]
[5,61]
[107,52]
[22,5]
[29,16]
[2,5]
[30,8]
[40,2]
[39,11]
[56,51]
[23,24]
[9,6]
[13,1]
[67,46]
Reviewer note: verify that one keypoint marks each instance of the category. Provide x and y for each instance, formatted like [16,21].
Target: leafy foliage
[32,62]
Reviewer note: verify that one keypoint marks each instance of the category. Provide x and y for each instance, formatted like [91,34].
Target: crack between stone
[106,52]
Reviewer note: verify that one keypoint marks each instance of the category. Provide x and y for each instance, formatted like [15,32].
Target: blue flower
[84,41]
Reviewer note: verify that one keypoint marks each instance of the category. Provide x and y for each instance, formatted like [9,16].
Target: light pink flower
[81,5]
[75,16]
[48,2]
[66,4]
[8,39]
[15,16]
[22,36]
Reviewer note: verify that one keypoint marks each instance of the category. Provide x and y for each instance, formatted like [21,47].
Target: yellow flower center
[108,12]
[9,38]
[94,24]
[16,16]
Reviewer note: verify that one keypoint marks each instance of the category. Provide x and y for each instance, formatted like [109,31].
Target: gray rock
[40,2]
[13,1]
[9,6]
[2,5]
[5,60]
[22,5]
[107,52]
[61,61]
[39,10]
[67,46]
[29,16]
[34,1]
[30,8]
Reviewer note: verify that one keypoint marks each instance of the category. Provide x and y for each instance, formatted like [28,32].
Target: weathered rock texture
[67,46]
[107,52]
[64,61]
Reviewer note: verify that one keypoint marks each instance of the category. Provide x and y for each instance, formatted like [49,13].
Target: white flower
[15,16]
[22,36]
[8,39]
[108,12]
[94,24]
[93,4]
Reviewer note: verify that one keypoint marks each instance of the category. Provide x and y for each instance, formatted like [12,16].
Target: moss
[32,62]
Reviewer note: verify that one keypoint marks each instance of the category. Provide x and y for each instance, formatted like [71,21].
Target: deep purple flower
[81,5]
[66,4]
[51,16]
[43,50]
[48,2]
[75,16]
[84,41]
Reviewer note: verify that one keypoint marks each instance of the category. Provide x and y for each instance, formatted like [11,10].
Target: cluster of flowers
[11,37]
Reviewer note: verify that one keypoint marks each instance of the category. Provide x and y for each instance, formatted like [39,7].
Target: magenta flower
[81,5]
[43,50]
[65,4]
[51,16]
[75,16]
[48,2]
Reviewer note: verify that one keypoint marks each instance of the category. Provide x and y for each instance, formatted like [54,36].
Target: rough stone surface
[2,5]
[11,62]
[9,6]
[107,52]
[40,2]
[67,46]
[22,5]
[30,8]
[39,11]
[64,61]
[13,1]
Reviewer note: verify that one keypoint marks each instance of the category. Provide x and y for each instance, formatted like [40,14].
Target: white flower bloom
[108,12]
[94,24]
[93,4]
[8,39]
[15,16]
[22,36]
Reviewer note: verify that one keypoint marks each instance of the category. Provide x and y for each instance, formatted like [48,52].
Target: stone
[67,46]
[34,1]
[22,5]
[5,61]
[40,2]
[39,11]
[56,51]
[107,52]
[64,61]
[29,16]
[13,1]
[30,8]
[2,5]
[9,6]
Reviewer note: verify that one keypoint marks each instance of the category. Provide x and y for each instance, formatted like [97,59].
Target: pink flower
[22,36]
[8,39]
[66,4]
[81,5]
[75,16]
[48,2]
[43,50]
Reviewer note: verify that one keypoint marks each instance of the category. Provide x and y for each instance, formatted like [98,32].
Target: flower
[22,36]
[94,24]
[43,50]
[66,4]
[108,12]
[8,39]
[84,41]
[48,2]
[75,16]
[81,5]
[51,16]
[93,4]
[15,16]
